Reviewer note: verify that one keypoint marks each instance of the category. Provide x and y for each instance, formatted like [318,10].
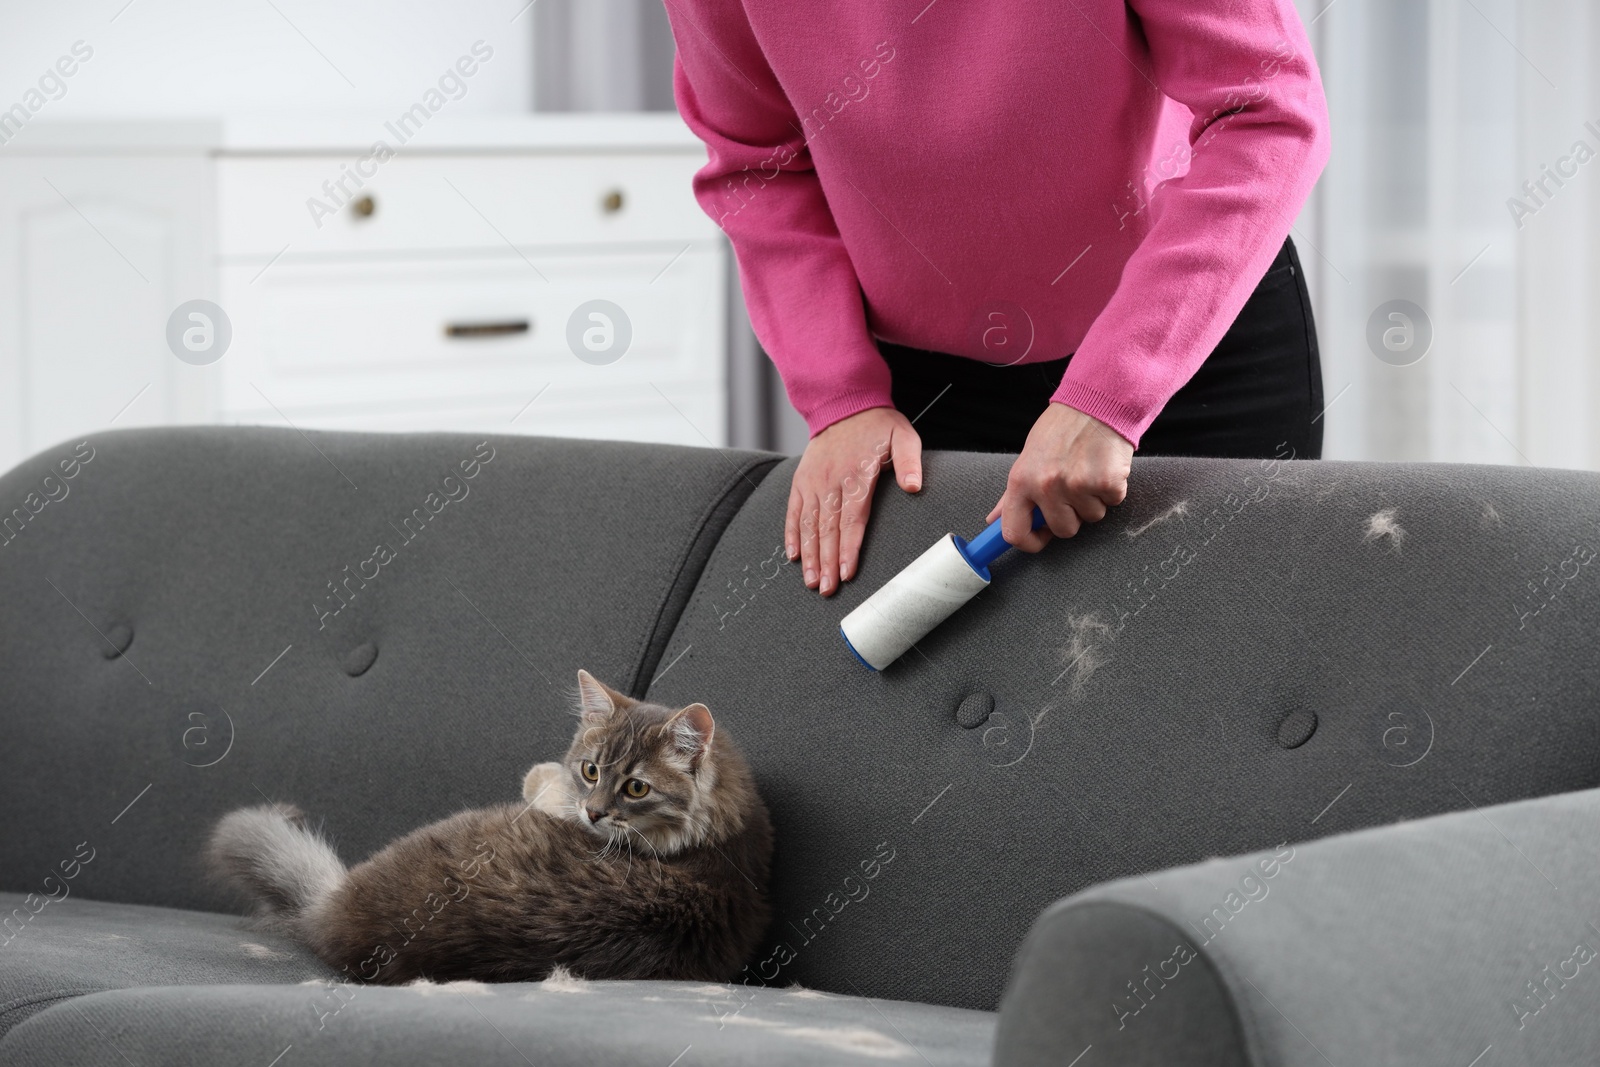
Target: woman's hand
[831,494]
[1073,467]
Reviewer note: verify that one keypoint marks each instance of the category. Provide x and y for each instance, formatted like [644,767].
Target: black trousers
[1257,394]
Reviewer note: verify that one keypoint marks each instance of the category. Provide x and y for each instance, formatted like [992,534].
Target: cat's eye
[590,772]
[636,788]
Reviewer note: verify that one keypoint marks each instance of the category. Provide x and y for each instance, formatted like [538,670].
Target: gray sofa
[1373,686]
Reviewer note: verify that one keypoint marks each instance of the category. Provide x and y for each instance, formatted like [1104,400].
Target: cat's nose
[594,816]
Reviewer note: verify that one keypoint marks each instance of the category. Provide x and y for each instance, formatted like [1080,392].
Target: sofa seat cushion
[552,1024]
[73,946]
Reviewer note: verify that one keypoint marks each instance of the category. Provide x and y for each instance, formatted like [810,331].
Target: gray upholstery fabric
[1147,675]
[71,946]
[216,548]
[1427,942]
[606,1024]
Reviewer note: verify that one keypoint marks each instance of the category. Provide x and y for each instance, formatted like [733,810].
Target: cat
[643,854]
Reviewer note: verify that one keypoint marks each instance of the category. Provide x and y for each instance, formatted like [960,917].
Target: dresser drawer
[268,205]
[465,330]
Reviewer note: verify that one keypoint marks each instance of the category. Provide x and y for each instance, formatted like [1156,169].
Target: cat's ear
[596,701]
[692,729]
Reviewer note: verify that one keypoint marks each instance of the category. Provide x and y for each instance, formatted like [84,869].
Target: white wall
[172,58]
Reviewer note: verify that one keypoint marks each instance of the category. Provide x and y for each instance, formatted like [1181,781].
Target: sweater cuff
[1117,414]
[841,407]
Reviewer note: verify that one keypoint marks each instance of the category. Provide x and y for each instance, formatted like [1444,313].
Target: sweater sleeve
[1258,142]
[761,188]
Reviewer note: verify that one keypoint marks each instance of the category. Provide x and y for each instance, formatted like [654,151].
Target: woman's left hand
[1073,467]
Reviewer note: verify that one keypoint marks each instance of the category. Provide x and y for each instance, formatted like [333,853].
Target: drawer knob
[611,203]
[487,329]
[363,207]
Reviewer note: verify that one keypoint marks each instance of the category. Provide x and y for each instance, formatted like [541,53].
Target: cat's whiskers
[647,844]
[612,839]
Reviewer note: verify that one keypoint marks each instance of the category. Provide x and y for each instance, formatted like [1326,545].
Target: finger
[1059,506]
[810,560]
[1088,506]
[1016,522]
[791,524]
[828,544]
[905,450]
[853,525]
[1061,518]
[1112,488]
[1012,524]
[1092,498]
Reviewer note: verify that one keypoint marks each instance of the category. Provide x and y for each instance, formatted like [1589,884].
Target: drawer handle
[487,329]
[363,207]
[612,202]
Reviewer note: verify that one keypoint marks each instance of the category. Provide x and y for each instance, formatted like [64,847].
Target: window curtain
[602,55]
[1463,183]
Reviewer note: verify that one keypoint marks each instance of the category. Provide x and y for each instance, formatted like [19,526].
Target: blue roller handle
[990,545]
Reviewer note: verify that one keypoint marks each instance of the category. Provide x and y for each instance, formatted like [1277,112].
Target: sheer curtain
[602,55]
[1460,184]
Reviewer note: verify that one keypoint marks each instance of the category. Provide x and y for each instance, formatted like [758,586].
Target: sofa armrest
[1072,981]
[1423,942]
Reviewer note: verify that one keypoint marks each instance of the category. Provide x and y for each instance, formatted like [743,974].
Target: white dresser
[430,290]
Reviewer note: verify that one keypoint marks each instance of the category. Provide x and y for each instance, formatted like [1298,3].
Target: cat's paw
[545,787]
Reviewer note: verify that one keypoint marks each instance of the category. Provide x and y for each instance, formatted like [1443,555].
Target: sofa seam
[641,683]
[11,1006]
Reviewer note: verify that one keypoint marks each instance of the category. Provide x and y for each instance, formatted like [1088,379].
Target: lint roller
[923,595]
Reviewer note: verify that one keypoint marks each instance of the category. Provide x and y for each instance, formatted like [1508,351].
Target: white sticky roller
[911,604]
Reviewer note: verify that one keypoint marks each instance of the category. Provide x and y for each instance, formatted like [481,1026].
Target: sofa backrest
[1244,653]
[381,629]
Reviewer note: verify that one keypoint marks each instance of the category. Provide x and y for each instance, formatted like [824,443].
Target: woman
[1024,224]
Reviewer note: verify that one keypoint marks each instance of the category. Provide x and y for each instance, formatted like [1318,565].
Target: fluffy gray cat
[643,854]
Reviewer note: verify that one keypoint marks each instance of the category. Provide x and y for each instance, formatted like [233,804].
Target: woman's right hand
[830,497]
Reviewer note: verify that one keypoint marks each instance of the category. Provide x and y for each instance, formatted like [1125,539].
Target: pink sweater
[1008,180]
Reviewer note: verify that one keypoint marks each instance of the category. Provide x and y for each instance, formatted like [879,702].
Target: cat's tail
[287,868]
